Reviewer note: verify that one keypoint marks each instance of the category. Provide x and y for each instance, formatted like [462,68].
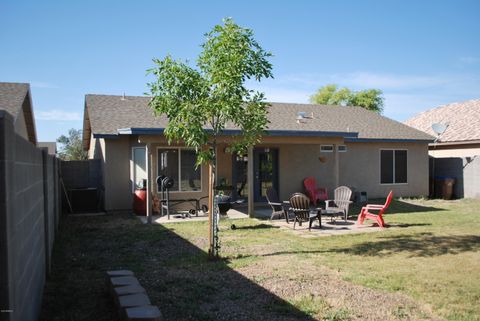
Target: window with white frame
[139,167]
[179,164]
[342,148]
[393,166]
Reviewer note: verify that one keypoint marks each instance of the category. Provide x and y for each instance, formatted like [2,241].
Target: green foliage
[370,99]
[213,94]
[72,147]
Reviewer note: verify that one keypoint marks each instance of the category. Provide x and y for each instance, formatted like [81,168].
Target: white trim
[393,164]
[180,169]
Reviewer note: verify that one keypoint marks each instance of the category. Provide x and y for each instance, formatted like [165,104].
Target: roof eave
[304,133]
[388,140]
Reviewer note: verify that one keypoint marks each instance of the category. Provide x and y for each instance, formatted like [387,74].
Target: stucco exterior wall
[360,168]
[118,195]
[296,162]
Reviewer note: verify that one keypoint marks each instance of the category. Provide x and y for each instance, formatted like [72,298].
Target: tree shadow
[397,207]
[416,245]
[254,227]
[178,276]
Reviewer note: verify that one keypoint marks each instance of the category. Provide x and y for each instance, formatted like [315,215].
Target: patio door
[265,162]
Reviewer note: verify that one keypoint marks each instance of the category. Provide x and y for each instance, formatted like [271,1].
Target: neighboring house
[50,146]
[15,99]
[337,145]
[457,150]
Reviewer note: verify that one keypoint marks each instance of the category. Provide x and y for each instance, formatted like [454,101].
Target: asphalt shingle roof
[108,113]
[12,96]
[15,99]
[463,119]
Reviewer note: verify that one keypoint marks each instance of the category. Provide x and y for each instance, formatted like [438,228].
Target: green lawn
[424,268]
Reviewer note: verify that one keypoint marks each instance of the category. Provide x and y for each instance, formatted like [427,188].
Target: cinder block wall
[28,215]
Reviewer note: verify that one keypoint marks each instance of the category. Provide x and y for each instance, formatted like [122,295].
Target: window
[139,167]
[326,148]
[342,148]
[179,164]
[393,166]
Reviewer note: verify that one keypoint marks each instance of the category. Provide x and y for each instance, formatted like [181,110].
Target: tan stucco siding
[97,148]
[296,162]
[360,168]
[118,194]
[224,168]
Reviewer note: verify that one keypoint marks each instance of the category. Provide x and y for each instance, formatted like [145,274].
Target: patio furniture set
[307,207]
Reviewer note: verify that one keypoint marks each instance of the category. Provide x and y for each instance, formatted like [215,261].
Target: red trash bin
[140,202]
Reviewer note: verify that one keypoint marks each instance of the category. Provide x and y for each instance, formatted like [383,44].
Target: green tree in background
[370,99]
[72,147]
[212,95]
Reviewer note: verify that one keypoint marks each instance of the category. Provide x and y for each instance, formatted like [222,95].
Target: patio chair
[301,208]
[341,201]
[279,209]
[366,212]
[315,194]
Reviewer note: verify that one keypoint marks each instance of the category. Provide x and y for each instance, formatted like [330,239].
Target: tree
[212,95]
[72,148]
[370,99]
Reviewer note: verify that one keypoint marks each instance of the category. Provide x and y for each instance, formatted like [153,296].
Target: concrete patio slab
[339,227]
[182,217]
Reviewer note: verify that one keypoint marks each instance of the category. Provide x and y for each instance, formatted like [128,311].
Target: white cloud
[58,115]
[404,106]
[390,81]
[469,60]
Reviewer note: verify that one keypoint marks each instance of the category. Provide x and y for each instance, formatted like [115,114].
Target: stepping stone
[117,273]
[145,313]
[129,289]
[126,290]
[133,300]
[123,280]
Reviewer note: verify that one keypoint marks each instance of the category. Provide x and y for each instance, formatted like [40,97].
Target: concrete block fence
[29,217]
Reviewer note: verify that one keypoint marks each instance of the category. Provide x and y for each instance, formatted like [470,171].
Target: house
[456,152]
[337,145]
[50,146]
[15,99]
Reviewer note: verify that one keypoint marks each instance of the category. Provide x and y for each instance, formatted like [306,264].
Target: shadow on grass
[416,245]
[177,275]
[254,227]
[403,207]
[396,207]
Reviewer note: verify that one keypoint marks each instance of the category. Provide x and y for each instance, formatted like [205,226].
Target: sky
[421,54]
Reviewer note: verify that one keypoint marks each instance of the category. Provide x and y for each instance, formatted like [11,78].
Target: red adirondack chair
[366,213]
[314,194]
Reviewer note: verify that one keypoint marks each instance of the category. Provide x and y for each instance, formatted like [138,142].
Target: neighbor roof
[463,119]
[15,98]
[108,115]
